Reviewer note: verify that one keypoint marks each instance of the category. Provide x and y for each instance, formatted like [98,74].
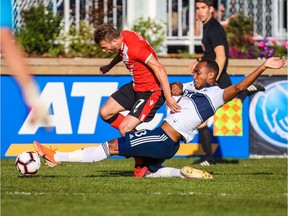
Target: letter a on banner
[53,95]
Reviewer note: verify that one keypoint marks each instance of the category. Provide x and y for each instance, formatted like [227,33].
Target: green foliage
[238,31]
[152,31]
[281,49]
[41,28]
[244,46]
[80,42]
[43,35]
[254,187]
[240,37]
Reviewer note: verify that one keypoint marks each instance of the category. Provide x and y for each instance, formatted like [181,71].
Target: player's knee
[104,114]
[124,128]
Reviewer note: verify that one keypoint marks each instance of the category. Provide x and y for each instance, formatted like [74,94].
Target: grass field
[240,187]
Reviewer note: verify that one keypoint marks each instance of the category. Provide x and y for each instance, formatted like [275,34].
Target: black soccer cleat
[255,87]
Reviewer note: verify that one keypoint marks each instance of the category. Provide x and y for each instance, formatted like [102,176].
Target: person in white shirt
[199,100]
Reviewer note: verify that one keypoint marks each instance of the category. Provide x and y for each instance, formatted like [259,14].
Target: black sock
[242,95]
[206,141]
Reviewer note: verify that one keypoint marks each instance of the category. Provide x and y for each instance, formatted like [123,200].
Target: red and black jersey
[136,52]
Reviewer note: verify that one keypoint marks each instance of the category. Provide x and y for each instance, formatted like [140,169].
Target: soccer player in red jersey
[145,93]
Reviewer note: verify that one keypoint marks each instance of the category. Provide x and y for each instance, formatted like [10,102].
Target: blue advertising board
[74,103]
[268,114]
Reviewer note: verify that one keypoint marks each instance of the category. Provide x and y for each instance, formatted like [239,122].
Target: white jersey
[196,107]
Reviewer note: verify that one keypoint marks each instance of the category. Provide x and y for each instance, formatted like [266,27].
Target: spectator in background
[222,16]
[14,58]
[224,21]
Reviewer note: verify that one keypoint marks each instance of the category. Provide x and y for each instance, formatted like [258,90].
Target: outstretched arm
[231,91]
[106,68]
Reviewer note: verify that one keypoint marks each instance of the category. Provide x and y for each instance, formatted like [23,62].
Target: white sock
[89,154]
[165,172]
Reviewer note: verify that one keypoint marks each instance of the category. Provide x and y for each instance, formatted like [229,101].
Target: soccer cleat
[46,153]
[205,162]
[140,171]
[190,172]
[255,87]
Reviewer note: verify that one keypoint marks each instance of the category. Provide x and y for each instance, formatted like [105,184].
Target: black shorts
[142,105]
[224,80]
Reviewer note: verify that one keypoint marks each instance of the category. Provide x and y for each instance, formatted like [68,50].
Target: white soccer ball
[28,163]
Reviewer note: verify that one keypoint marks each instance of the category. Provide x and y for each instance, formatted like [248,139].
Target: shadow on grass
[217,161]
[103,174]
[112,174]
[226,161]
[241,173]
[42,176]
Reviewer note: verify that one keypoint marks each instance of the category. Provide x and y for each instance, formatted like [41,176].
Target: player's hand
[31,96]
[274,62]
[39,114]
[176,88]
[172,104]
[104,69]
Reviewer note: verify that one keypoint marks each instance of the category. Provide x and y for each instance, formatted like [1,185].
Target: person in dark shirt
[215,47]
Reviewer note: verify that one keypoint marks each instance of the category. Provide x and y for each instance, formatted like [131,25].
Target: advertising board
[74,103]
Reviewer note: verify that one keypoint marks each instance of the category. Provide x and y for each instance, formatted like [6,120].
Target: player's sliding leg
[90,154]
[185,172]
[165,172]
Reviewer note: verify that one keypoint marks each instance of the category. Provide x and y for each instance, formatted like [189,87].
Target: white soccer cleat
[190,172]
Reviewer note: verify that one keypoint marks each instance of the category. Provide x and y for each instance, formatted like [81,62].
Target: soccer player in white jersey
[199,101]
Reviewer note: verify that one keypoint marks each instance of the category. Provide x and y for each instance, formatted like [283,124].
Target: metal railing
[270,17]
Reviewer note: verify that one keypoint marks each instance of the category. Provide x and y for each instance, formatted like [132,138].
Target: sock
[206,141]
[115,120]
[138,161]
[89,154]
[165,172]
[242,95]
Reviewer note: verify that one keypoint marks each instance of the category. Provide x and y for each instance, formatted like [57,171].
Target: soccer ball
[28,163]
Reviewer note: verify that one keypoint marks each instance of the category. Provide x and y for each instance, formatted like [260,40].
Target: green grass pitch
[240,187]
